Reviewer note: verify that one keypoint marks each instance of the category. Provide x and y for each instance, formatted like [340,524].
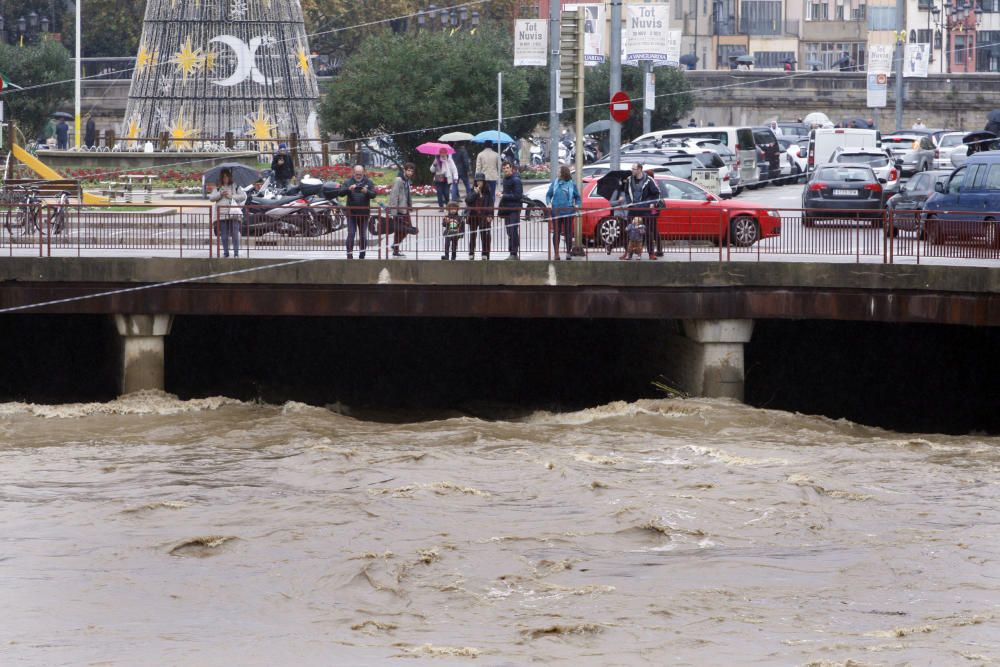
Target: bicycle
[24,211]
[60,215]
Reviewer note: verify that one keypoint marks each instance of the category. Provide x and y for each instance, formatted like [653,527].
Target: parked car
[793,131]
[791,167]
[846,191]
[903,208]
[768,143]
[728,156]
[690,212]
[738,138]
[916,150]
[880,162]
[966,207]
[946,145]
[824,141]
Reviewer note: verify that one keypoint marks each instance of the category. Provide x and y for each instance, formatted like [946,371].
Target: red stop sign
[621,106]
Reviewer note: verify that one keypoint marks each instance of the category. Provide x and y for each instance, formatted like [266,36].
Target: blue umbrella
[491,135]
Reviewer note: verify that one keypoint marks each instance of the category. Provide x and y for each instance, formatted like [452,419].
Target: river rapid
[156,531]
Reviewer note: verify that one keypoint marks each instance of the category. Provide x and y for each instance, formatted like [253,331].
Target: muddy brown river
[155,531]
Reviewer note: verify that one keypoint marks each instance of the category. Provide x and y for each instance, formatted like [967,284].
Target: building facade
[825,34]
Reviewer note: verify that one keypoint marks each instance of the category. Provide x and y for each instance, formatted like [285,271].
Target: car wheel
[743,231]
[932,230]
[737,190]
[609,232]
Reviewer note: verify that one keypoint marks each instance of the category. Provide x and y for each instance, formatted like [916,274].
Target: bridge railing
[682,233]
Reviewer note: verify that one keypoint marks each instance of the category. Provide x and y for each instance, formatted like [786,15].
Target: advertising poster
[917,61]
[594,24]
[647,32]
[880,59]
[531,41]
[878,86]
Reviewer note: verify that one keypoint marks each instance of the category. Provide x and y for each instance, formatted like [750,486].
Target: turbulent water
[154,531]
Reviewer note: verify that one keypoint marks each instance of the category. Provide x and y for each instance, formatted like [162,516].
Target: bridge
[714,304]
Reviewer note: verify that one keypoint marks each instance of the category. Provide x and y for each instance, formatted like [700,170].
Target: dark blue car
[966,207]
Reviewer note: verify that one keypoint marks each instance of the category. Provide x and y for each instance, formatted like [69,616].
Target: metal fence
[711,234]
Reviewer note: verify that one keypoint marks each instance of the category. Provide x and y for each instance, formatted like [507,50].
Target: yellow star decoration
[133,128]
[181,130]
[188,60]
[145,58]
[260,125]
[209,60]
[305,61]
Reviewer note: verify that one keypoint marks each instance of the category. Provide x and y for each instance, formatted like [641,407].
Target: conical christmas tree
[208,67]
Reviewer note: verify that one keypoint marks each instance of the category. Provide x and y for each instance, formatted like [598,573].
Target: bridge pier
[707,360]
[142,355]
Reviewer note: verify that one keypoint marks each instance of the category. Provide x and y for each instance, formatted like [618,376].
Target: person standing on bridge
[228,211]
[563,199]
[643,198]
[360,191]
[510,209]
[488,164]
[479,215]
[400,204]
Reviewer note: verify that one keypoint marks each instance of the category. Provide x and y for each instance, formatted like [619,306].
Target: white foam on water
[139,403]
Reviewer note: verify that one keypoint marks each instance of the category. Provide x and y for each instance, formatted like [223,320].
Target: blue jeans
[229,228]
[442,192]
[512,223]
[357,221]
[464,179]
[492,185]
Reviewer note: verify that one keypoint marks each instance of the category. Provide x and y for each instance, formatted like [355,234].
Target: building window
[818,12]
[726,52]
[988,51]
[859,14]
[959,44]
[882,18]
[760,17]
[771,59]
[829,53]
[925,5]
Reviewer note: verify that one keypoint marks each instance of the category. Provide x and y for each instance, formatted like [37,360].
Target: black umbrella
[790,60]
[862,124]
[242,174]
[688,59]
[610,183]
[598,126]
[993,116]
[62,115]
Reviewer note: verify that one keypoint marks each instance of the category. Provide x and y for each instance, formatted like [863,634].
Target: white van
[823,143]
[738,139]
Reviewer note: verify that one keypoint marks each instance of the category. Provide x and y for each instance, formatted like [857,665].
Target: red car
[689,212]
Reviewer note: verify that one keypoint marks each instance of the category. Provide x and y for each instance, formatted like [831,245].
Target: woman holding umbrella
[228,202]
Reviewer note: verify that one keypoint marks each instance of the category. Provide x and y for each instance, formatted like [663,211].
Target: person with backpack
[563,199]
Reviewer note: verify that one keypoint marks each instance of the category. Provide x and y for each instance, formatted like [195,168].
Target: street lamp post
[958,18]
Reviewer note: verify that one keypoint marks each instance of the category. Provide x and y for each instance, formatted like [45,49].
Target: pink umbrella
[431,148]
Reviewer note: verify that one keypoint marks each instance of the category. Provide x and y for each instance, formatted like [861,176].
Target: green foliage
[673,101]
[45,62]
[398,84]
[111,28]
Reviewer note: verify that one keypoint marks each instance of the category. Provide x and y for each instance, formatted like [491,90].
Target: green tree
[35,65]
[415,87]
[111,28]
[673,99]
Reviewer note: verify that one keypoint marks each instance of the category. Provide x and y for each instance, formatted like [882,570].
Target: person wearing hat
[452,229]
[282,167]
[479,213]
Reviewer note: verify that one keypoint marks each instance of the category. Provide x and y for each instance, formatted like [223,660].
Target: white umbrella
[816,118]
[455,136]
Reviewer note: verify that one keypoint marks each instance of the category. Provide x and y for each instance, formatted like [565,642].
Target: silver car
[915,150]
[947,144]
[880,162]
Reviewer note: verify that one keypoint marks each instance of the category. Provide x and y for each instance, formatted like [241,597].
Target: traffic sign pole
[578,226]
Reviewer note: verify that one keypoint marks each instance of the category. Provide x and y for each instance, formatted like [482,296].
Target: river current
[155,531]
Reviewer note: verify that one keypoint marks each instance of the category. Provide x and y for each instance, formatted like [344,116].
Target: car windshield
[670,189]
[875,161]
[679,170]
[949,140]
[844,174]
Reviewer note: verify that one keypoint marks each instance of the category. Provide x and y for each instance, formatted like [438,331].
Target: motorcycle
[307,209]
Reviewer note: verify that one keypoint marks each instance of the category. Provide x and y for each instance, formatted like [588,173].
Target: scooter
[308,209]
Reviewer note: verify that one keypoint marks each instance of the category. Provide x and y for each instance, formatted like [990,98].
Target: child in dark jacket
[452,228]
[634,235]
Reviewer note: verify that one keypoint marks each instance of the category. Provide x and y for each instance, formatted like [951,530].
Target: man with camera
[359,191]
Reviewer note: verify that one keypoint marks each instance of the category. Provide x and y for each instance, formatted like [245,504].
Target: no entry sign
[621,106]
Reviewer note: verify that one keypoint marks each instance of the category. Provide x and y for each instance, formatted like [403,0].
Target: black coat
[479,205]
[649,197]
[513,191]
[282,167]
[359,197]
